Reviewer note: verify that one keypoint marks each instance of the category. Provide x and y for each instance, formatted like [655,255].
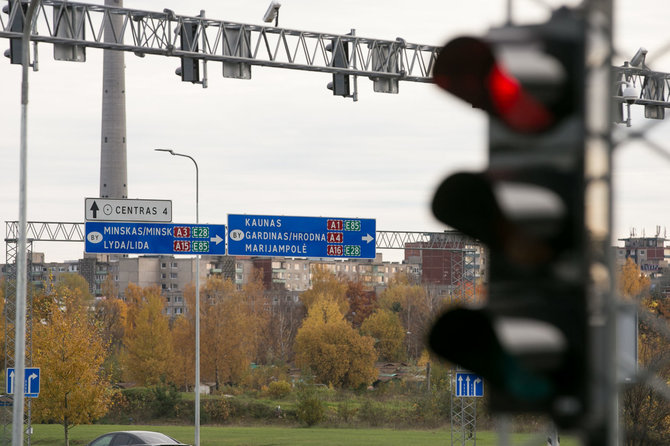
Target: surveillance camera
[272,11]
[638,58]
[170,14]
[630,94]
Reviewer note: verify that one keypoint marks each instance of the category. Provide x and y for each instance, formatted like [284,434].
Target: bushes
[395,404]
[309,410]
[165,399]
[346,411]
[279,389]
[216,410]
[372,413]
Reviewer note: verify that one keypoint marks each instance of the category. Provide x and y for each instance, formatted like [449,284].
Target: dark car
[124,438]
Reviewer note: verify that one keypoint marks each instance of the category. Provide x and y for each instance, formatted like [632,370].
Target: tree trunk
[67,431]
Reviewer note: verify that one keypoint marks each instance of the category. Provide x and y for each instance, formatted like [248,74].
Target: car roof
[150,437]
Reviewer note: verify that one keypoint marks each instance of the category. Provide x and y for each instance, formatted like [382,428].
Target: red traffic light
[467,68]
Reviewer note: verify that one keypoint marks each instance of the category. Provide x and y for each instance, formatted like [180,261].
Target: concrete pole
[113,158]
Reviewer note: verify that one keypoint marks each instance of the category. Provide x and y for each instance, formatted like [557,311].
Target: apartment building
[649,253]
[283,278]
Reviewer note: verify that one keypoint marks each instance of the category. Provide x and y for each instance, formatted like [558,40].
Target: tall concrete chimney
[113,158]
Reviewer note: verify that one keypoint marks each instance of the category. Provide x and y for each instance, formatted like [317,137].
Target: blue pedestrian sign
[469,385]
[31,382]
[155,238]
[282,236]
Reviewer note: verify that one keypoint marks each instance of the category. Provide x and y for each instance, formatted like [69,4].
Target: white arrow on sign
[11,382]
[368,238]
[30,382]
[216,239]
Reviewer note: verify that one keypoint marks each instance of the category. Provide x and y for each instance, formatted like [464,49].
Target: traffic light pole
[605,429]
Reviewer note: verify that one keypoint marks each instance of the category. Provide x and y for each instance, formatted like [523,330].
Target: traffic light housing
[531,340]
[340,59]
[16,9]
[190,66]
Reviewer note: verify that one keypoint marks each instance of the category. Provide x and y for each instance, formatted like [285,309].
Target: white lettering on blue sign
[263,222]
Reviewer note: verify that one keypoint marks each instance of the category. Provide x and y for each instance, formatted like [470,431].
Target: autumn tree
[133,297]
[183,335]
[70,350]
[646,410]
[362,302]
[110,314]
[335,352]
[385,328]
[326,285]
[646,407]
[632,283]
[414,307]
[284,322]
[228,320]
[148,357]
[259,314]
[76,288]
[109,288]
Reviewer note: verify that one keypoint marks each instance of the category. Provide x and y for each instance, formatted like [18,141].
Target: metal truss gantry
[10,335]
[464,251]
[75,26]
[72,27]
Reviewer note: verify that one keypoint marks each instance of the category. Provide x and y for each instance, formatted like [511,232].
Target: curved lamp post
[197,302]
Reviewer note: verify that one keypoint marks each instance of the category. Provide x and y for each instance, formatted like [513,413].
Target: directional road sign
[155,238]
[31,382]
[469,385]
[263,235]
[109,209]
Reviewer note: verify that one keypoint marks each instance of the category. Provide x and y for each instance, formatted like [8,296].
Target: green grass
[47,435]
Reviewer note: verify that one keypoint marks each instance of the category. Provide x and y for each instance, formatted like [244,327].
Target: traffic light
[531,340]
[190,67]
[16,10]
[340,59]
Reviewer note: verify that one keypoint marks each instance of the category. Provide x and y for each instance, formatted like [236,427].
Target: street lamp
[197,302]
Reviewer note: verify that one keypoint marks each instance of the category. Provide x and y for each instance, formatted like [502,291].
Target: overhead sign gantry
[74,27]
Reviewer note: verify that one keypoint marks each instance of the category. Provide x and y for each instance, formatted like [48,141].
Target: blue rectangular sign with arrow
[155,238]
[282,236]
[469,385]
[31,382]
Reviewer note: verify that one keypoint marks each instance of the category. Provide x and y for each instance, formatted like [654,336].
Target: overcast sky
[281,143]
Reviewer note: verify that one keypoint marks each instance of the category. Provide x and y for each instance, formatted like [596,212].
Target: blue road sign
[154,238]
[282,236]
[31,382]
[469,385]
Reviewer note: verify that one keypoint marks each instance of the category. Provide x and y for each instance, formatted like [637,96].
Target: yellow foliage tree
[184,350]
[231,340]
[389,335]
[75,289]
[414,308]
[134,296]
[632,283]
[335,352]
[227,317]
[646,411]
[326,285]
[70,350]
[111,314]
[148,358]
